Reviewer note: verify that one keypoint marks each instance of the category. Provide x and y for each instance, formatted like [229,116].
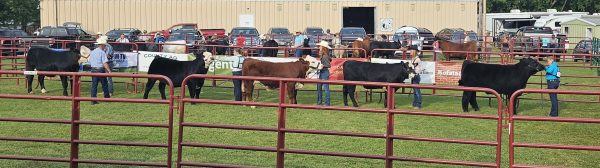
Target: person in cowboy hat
[324,54]
[99,62]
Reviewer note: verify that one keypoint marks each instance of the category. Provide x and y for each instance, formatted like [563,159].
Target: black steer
[177,71]
[46,59]
[504,79]
[372,72]
[269,52]
[384,45]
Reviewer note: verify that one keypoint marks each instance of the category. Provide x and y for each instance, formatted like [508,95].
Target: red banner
[447,73]
[336,72]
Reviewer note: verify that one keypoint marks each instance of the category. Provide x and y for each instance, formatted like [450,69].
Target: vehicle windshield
[585,45]
[54,32]
[314,32]
[407,35]
[245,32]
[5,34]
[182,36]
[118,32]
[280,31]
[541,30]
[353,32]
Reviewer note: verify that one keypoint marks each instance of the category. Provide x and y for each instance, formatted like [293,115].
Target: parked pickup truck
[530,38]
[208,33]
[167,32]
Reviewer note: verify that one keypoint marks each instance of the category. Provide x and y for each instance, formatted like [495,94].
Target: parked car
[48,34]
[12,33]
[314,34]
[65,33]
[281,35]
[130,33]
[421,38]
[583,47]
[191,36]
[167,32]
[349,34]
[529,38]
[455,35]
[251,34]
[207,33]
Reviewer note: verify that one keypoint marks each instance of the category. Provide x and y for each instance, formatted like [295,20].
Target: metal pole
[75,116]
[281,125]
[389,141]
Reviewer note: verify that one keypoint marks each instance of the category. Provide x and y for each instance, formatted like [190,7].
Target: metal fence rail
[75,122]
[282,130]
[513,118]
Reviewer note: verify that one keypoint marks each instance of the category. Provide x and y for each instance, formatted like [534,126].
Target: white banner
[125,59]
[145,58]
[427,73]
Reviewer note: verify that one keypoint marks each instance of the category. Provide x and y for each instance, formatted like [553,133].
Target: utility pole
[482,10]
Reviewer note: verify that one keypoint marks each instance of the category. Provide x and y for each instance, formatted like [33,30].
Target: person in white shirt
[122,39]
[416,61]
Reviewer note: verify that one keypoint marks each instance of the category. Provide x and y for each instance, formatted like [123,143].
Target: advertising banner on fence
[223,64]
[336,72]
[427,73]
[145,58]
[448,73]
[125,59]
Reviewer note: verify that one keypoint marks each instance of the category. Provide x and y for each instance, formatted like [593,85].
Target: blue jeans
[237,86]
[417,96]
[102,80]
[553,84]
[323,75]
[298,53]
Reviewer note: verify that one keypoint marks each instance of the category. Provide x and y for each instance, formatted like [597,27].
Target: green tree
[19,12]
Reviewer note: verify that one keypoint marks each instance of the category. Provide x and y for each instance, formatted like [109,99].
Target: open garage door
[360,17]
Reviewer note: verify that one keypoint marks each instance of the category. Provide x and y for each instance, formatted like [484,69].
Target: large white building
[103,15]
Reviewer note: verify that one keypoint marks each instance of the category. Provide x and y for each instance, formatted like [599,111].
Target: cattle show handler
[553,80]
[325,56]
[99,62]
[237,60]
[417,101]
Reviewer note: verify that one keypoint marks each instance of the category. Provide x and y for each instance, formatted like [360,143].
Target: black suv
[130,33]
[65,33]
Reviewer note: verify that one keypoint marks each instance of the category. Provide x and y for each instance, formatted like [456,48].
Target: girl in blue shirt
[553,80]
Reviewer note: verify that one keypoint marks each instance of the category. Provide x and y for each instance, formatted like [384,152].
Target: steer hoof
[44,91]
[31,92]
[465,111]
[476,109]
[253,107]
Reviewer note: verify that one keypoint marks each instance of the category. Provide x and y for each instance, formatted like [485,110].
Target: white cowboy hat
[84,51]
[324,44]
[101,41]
[99,33]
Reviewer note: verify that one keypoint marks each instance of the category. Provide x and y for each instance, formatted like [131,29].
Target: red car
[167,32]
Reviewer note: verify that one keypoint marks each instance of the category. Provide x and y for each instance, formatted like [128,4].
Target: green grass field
[438,127]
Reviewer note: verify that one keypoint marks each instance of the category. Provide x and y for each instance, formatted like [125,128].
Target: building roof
[592,20]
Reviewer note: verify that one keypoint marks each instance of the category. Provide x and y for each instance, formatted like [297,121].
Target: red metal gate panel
[512,118]
[281,129]
[76,122]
